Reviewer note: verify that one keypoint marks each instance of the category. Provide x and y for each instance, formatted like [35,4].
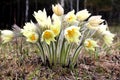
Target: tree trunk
[18,11]
[71,4]
[85,4]
[36,4]
[62,3]
[26,12]
[77,5]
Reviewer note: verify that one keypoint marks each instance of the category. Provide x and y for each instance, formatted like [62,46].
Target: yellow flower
[70,17]
[72,34]
[108,37]
[32,37]
[58,10]
[82,15]
[7,35]
[48,36]
[42,18]
[94,21]
[90,44]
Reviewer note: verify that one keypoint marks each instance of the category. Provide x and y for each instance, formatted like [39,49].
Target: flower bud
[82,15]
[7,35]
[58,10]
[108,37]
[70,17]
[94,22]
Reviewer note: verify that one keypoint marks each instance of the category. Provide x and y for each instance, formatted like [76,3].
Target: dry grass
[22,62]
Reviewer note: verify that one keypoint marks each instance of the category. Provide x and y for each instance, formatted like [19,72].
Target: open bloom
[94,21]
[70,17]
[83,15]
[56,29]
[72,34]
[42,18]
[32,37]
[7,35]
[90,44]
[58,10]
[29,26]
[108,37]
[48,36]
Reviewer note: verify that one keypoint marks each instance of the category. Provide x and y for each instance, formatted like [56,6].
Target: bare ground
[30,68]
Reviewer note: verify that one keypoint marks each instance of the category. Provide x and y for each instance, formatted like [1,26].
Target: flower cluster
[61,38]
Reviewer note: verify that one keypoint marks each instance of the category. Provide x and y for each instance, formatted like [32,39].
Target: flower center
[89,44]
[33,37]
[47,35]
[71,33]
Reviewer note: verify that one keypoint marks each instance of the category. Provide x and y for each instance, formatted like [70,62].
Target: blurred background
[21,11]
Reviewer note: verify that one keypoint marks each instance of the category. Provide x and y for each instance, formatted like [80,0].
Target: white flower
[102,28]
[48,36]
[7,35]
[56,25]
[56,19]
[108,37]
[70,17]
[58,10]
[29,26]
[56,29]
[42,18]
[90,44]
[72,34]
[83,15]
[32,37]
[94,22]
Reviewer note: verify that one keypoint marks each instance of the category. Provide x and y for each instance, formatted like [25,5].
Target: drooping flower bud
[7,35]
[58,10]
[82,15]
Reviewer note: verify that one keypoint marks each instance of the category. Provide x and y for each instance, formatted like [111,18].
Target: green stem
[56,43]
[56,48]
[42,51]
[62,51]
[51,57]
[66,54]
[53,52]
[75,56]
